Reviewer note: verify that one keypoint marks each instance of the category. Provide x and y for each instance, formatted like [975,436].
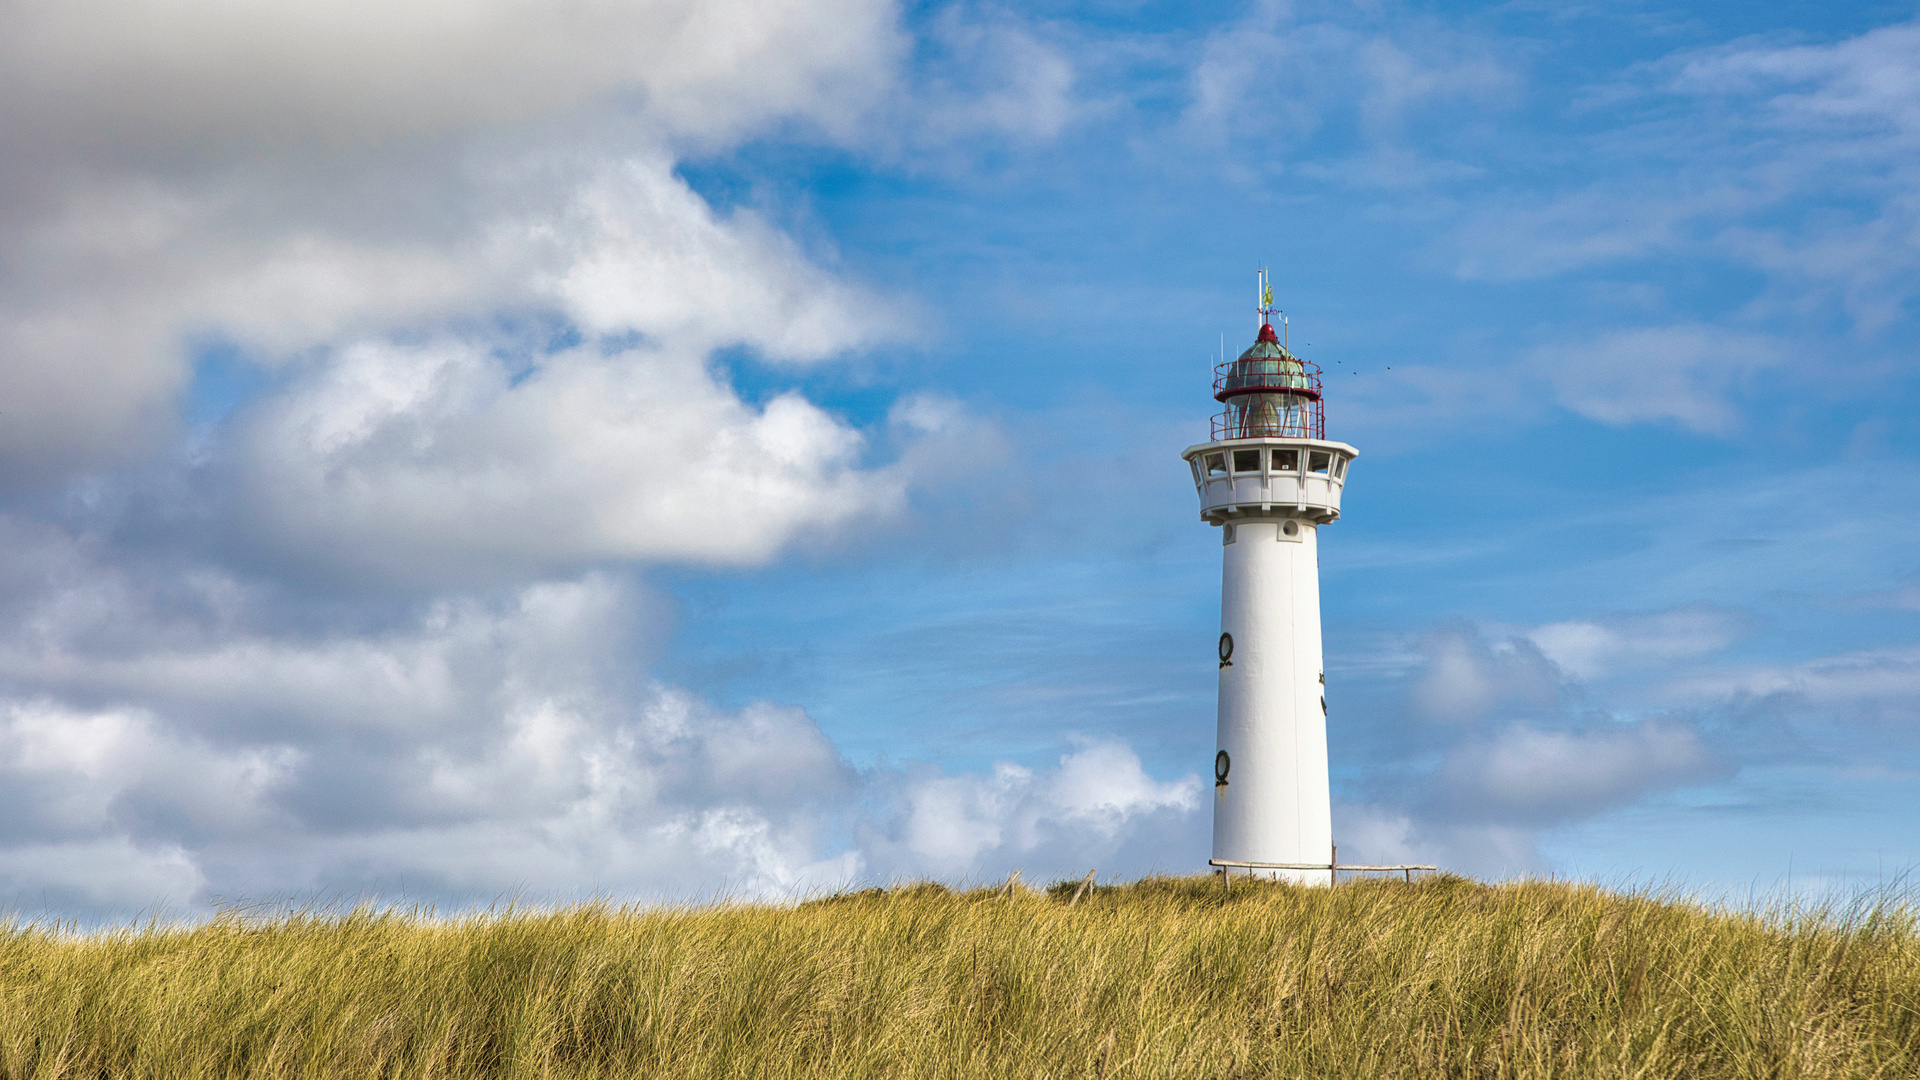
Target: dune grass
[1168,977]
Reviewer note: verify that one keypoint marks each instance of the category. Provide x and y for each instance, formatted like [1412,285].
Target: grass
[1168,977]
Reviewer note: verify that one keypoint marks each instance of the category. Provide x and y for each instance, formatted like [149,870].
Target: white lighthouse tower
[1269,478]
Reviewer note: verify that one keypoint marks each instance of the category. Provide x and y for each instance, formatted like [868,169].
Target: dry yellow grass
[1163,978]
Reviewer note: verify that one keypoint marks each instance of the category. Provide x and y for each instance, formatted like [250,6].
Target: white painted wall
[1275,805]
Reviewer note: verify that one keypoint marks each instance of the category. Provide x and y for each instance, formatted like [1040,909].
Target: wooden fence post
[1085,884]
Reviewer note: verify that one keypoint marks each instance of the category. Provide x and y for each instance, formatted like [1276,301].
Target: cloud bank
[375,618]
[378,627]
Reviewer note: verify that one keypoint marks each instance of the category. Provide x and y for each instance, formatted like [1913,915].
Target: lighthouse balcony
[1298,478]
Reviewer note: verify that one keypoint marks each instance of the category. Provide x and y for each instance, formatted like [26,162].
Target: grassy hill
[1163,978]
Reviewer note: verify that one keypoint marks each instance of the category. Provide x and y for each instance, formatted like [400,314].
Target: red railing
[1251,379]
[1269,397]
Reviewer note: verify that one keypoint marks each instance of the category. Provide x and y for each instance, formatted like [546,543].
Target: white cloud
[1465,677]
[1533,777]
[1423,69]
[1687,375]
[455,239]
[115,874]
[477,749]
[1383,835]
[1275,77]
[639,251]
[951,820]
[294,180]
[152,71]
[1798,161]
[1529,743]
[461,750]
[1881,683]
[1594,648]
[437,463]
[1091,807]
[1868,80]
[1103,784]
[1619,219]
[82,775]
[630,250]
[479,453]
[101,295]
[989,73]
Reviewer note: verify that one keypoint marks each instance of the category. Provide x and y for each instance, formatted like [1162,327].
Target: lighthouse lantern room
[1269,479]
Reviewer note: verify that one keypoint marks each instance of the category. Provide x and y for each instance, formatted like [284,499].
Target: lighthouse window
[1286,461]
[1246,461]
[1317,461]
[1216,464]
[1339,467]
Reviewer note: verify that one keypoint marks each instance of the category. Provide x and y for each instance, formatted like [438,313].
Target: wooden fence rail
[1227,866]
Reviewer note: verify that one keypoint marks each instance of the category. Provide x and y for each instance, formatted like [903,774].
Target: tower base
[1290,873]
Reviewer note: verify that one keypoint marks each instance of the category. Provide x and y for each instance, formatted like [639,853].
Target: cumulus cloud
[636,251]
[1646,705]
[1090,807]
[417,428]
[64,880]
[1493,797]
[477,452]
[485,309]
[188,741]
[153,72]
[292,180]
[1511,733]
[443,461]
[627,250]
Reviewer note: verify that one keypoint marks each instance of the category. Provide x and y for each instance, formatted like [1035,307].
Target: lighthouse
[1269,479]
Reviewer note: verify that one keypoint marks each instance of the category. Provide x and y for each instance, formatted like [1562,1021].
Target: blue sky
[667,449]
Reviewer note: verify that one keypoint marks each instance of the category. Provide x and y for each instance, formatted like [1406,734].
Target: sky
[674,449]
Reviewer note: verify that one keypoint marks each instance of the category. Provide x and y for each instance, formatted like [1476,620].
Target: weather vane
[1266,310]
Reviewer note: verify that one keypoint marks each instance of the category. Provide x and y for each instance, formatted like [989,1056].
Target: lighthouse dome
[1267,365]
[1268,392]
